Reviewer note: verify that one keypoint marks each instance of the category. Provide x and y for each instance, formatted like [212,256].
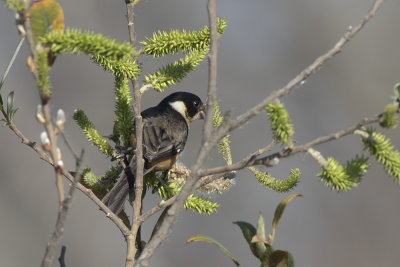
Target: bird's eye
[195,103]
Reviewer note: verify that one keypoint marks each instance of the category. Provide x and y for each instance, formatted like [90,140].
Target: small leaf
[278,213]
[248,230]
[10,102]
[12,113]
[210,240]
[1,102]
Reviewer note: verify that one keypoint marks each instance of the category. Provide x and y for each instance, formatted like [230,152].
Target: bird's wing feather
[158,144]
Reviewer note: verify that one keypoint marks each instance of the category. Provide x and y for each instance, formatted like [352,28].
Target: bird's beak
[202,112]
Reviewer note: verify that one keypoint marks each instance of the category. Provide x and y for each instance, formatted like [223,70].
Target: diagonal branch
[270,160]
[89,193]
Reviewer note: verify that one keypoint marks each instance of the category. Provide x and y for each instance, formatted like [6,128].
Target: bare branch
[311,69]
[137,204]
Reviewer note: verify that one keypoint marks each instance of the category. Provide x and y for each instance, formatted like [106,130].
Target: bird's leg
[131,179]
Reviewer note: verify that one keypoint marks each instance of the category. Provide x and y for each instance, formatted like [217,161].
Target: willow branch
[252,160]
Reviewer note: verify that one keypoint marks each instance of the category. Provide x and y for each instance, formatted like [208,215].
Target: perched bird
[165,131]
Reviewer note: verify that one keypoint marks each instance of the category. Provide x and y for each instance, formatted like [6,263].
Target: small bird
[165,132]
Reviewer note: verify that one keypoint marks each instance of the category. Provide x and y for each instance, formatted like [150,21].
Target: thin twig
[251,160]
[163,204]
[311,69]
[61,259]
[62,215]
[230,125]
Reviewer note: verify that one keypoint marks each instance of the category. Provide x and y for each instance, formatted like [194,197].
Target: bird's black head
[187,104]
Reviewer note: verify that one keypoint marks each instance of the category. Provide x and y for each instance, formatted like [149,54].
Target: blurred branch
[33,63]
[211,138]
[62,215]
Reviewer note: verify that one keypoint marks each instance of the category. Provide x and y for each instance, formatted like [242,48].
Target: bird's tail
[125,185]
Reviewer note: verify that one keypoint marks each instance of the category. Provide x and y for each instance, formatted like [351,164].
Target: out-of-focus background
[265,45]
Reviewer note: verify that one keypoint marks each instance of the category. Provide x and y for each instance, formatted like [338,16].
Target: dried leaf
[278,214]
[45,16]
[259,239]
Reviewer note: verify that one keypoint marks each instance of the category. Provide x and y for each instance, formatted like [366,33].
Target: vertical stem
[207,143]
[137,204]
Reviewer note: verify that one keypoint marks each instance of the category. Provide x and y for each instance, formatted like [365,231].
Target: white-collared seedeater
[165,132]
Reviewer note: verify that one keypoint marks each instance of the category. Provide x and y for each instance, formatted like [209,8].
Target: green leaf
[248,230]
[10,102]
[261,226]
[278,213]
[211,240]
